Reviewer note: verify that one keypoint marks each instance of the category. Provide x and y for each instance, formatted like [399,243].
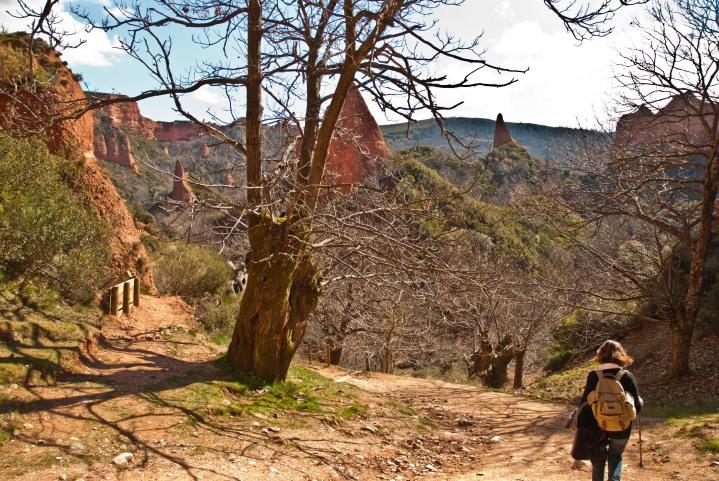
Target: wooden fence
[318,352]
[124,296]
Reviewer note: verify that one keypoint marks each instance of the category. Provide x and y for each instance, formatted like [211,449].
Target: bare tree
[298,56]
[653,190]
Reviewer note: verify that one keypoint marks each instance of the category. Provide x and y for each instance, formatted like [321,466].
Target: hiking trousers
[611,455]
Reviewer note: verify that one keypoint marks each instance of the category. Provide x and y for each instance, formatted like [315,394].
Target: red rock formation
[181,190]
[501,133]
[125,157]
[27,109]
[99,146]
[112,121]
[204,151]
[179,130]
[73,139]
[127,115]
[113,145]
[166,151]
[357,144]
[679,123]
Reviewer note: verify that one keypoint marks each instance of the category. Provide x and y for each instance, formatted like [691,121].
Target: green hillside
[541,141]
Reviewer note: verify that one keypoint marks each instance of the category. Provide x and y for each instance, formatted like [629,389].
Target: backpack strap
[616,377]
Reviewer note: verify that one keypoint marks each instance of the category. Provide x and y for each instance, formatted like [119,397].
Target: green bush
[579,334]
[219,319]
[189,270]
[45,230]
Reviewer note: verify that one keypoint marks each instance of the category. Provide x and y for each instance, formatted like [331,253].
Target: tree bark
[335,355]
[683,325]
[387,361]
[489,364]
[518,368]
[497,375]
[283,287]
[682,332]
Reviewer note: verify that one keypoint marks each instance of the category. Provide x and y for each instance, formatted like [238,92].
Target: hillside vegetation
[541,141]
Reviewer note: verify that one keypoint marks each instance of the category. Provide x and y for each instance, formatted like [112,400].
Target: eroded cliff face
[114,121]
[679,123]
[178,130]
[125,114]
[357,147]
[111,144]
[74,140]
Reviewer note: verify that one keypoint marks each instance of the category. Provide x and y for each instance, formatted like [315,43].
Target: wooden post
[136,291]
[126,297]
[114,300]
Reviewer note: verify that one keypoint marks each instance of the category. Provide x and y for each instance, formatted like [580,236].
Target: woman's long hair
[613,352]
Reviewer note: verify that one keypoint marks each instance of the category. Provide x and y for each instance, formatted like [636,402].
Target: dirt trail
[533,444]
[140,393]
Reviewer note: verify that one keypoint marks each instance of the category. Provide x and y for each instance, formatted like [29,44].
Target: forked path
[533,444]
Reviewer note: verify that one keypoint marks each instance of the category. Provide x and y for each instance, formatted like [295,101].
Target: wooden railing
[318,352]
[124,296]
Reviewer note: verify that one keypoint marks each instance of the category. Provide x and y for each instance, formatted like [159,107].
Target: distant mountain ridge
[541,141]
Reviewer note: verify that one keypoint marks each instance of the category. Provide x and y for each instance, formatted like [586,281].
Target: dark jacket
[628,382]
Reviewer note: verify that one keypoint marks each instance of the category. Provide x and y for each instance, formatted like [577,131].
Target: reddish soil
[534,444]
[134,398]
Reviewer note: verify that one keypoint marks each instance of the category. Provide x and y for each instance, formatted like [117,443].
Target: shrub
[45,230]
[580,333]
[219,319]
[189,270]
[710,445]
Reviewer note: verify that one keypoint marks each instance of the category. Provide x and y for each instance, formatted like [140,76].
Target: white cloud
[566,83]
[504,9]
[208,96]
[564,80]
[99,50]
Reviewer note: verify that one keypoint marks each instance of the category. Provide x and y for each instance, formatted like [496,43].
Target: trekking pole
[639,427]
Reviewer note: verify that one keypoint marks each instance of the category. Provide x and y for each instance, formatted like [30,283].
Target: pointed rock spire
[205,151]
[125,156]
[501,133]
[181,190]
[357,143]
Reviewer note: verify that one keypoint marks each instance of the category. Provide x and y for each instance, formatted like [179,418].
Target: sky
[567,84]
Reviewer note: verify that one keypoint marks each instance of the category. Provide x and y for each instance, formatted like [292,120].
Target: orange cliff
[679,122]
[357,146]
[177,130]
[113,121]
[74,140]
[112,145]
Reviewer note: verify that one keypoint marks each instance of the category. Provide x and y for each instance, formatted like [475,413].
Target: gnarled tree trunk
[489,363]
[518,368]
[283,286]
[335,355]
[682,332]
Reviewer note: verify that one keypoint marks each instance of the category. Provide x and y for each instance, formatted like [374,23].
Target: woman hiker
[600,416]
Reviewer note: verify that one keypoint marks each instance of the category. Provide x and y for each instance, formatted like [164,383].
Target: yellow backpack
[612,406]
